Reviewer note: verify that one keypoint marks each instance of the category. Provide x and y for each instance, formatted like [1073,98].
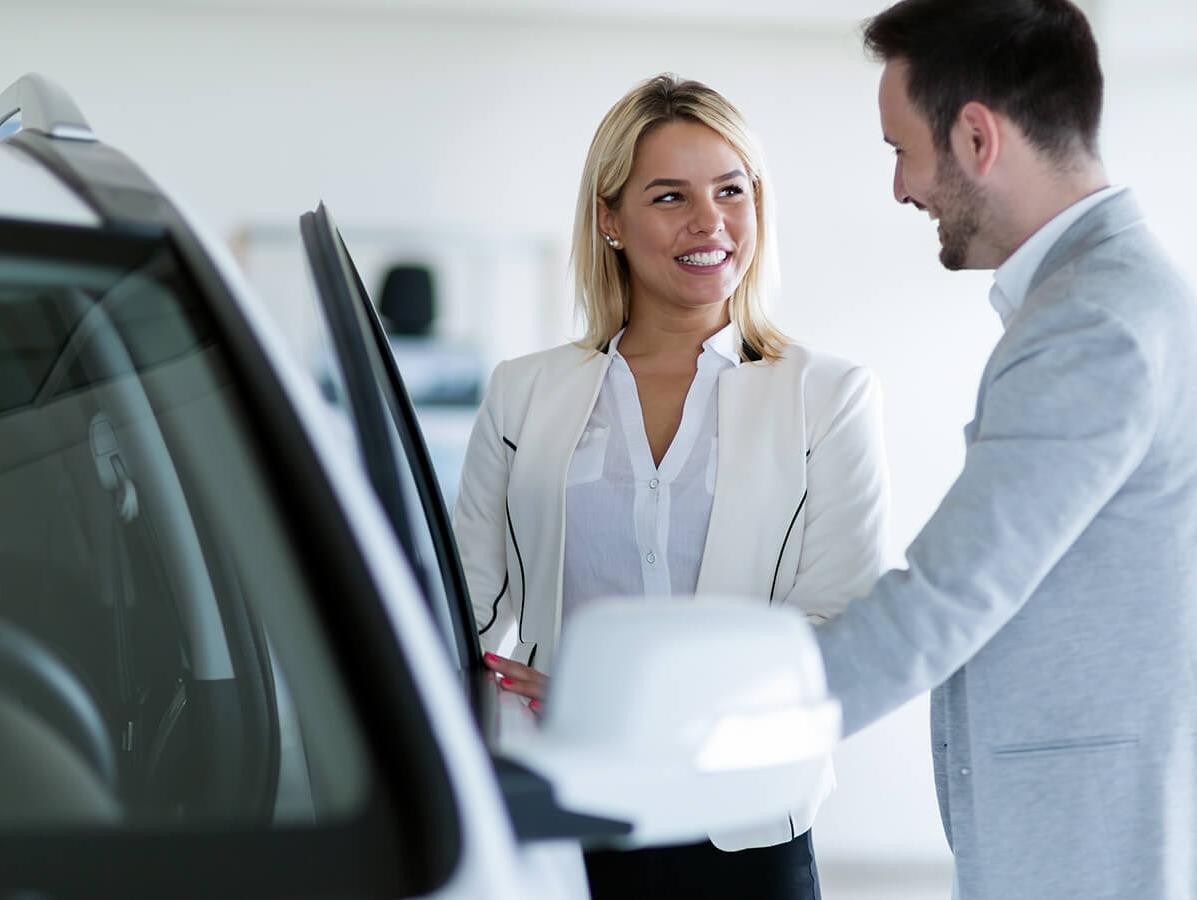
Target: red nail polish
[490,657]
[534,706]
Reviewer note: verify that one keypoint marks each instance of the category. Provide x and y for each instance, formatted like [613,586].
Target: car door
[396,458]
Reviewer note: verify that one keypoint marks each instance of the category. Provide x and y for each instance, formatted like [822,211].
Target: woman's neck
[670,333]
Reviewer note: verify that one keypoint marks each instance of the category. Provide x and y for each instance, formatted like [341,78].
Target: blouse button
[654,483]
[651,557]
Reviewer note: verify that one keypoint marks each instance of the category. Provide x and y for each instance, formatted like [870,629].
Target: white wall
[415,122]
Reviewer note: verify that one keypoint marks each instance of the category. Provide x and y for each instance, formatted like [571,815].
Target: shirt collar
[1013,278]
[725,342]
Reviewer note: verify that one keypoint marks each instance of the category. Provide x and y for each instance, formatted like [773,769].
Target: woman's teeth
[708,258]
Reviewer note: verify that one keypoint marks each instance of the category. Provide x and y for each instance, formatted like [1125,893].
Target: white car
[236,652]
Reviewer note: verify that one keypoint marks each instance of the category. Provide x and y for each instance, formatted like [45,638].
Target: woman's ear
[608,222]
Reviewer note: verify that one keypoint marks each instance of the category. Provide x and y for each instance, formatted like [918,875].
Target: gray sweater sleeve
[1065,413]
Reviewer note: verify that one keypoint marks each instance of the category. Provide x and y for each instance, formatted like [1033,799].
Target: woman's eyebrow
[666,182]
[734,173]
[679,182]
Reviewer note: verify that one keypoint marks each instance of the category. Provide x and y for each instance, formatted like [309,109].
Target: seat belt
[118,580]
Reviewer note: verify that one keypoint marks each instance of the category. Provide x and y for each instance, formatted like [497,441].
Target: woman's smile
[704,260]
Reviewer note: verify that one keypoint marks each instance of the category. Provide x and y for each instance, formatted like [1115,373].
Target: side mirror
[683,717]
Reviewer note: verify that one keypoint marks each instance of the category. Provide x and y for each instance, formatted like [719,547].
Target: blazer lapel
[558,410]
[756,490]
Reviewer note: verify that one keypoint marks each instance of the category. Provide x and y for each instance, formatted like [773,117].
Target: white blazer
[798,517]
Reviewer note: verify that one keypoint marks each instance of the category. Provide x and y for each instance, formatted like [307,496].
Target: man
[1052,597]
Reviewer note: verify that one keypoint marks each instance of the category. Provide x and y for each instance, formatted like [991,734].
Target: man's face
[927,179]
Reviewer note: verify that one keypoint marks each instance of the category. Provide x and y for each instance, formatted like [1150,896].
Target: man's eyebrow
[678,182]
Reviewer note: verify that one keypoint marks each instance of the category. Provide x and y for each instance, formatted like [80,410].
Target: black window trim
[431,498]
[343,316]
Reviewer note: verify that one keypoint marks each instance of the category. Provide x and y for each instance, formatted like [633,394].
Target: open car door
[400,468]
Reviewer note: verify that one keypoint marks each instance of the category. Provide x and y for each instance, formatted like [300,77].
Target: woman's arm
[480,518]
[847,502]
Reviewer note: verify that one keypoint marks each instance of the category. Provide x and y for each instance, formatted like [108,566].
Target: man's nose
[900,192]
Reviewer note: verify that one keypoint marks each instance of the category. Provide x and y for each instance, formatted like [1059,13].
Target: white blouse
[632,528]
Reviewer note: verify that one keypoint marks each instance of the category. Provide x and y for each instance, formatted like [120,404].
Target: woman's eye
[730,190]
[670,197]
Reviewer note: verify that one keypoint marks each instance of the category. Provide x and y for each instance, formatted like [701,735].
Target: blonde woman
[683,446]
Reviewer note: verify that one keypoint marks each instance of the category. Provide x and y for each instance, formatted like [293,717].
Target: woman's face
[686,219]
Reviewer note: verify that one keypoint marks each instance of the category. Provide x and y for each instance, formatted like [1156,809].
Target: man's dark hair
[1034,61]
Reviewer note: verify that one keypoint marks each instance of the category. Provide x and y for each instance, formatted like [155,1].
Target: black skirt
[704,872]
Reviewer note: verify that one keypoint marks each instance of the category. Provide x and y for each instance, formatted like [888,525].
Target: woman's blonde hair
[601,274]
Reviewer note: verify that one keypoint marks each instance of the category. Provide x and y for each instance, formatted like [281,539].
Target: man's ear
[977,139]
[608,222]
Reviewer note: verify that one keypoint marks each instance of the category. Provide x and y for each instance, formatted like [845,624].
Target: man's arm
[1067,414]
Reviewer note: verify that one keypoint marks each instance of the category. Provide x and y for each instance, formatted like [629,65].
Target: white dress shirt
[633,528]
[1013,277]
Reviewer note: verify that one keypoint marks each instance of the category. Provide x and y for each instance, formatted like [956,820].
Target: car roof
[33,193]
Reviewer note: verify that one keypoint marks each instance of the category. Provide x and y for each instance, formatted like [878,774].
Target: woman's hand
[519,679]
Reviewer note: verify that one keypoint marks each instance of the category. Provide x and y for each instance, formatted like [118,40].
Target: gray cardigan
[1052,597]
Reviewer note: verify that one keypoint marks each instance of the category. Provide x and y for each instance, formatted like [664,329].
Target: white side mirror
[683,717]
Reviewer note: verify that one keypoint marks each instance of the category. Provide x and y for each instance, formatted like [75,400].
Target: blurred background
[447,137]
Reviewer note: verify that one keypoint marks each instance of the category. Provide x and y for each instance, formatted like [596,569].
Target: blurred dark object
[407,300]
[437,372]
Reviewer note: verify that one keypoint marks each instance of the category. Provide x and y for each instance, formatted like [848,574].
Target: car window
[177,655]
[181,636]
[155,625]
[417,536]
[362,380]
[11,125]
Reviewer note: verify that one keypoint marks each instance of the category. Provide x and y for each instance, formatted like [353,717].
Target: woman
[682,446]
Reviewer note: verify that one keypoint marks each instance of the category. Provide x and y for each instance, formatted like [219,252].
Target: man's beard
[959,204]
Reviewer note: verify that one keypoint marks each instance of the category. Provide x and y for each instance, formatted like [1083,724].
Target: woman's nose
[706,219]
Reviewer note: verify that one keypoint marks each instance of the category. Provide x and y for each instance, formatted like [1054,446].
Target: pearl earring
[613,243]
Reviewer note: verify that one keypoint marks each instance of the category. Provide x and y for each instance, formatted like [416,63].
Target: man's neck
[1043,198]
